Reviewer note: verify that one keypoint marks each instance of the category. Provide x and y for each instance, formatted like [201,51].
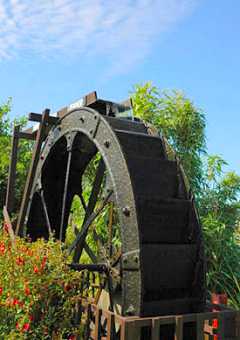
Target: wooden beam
[9,224]
[37,117]
[32,170]
[10,196]
[87,100]
[28,134]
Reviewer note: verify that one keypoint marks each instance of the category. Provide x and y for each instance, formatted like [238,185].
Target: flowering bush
[38,291]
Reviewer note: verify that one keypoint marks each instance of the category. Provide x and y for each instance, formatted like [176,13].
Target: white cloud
[123,31]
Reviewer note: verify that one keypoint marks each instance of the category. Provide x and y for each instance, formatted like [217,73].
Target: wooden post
[178,328]
[9,225]
[9,203]
[32,170]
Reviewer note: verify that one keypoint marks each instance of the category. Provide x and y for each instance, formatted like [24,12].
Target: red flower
[72,337]
[35,269]
[27,291]
[17,325]
[20,261]
[16,302]
[43,262]
[30,252]
[2,248]
[26,327]
[1,290]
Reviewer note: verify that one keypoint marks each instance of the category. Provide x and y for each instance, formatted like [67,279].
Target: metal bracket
[131,260]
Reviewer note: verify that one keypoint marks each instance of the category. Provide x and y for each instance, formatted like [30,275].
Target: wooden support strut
[9,203]
[9,225]
[31,174]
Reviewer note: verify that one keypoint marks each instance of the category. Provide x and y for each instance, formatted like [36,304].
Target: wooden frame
[130,327]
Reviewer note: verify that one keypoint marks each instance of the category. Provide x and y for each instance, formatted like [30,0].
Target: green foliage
[38,291]
[219,208]
[220,193]
[175,117]
[25,148]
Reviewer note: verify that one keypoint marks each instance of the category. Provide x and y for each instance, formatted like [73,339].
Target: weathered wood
[200,327]
[29,134]
[31,174]
[37,117]
[98,318]
[9,225]
[12,171]
[179,328]
[87,100]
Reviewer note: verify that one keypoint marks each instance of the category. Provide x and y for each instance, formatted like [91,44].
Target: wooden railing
[100,324]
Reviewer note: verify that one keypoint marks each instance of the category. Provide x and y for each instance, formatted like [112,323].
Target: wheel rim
[58,173]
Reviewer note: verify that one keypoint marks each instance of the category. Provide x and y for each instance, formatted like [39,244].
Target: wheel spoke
[83,202]
[83,232]
[90,253]
[65,193]
[45,212]
[80,240]
[110,229]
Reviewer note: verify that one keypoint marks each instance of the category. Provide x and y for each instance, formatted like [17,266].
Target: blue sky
[54,51]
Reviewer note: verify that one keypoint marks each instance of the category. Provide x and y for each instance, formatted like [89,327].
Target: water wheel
[139,228]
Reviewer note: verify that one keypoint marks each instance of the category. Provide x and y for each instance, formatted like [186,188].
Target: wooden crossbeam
[32,170]
[29,134]
[87,100]
[37,117]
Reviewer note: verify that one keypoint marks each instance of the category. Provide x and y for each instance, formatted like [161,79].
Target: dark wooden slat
[98,324]
[12,170]
[37,117]
[32,171]
[28,135]
[200,326]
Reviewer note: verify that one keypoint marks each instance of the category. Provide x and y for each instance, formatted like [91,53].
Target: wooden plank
[9,225]
[32,171]
[37,117]
[110,327]
[28,134]
[178,328]
[156,323]
[12,171]
[98,318]
[200,326]
[90,98]
[86,100]
[132,331]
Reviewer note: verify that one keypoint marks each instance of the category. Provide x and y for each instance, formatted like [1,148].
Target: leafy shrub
[38,291]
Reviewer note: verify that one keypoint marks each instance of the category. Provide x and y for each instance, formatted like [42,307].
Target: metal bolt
[126,211]
[82,119]
[107,143]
